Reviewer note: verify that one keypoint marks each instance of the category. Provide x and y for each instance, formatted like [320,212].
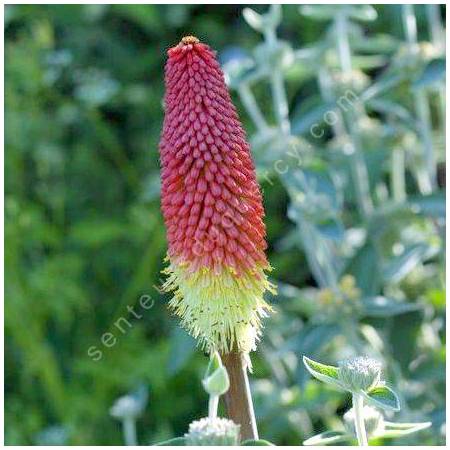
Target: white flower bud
[125,406]
[360,373]
[218,383]
[373,420]
[217,431]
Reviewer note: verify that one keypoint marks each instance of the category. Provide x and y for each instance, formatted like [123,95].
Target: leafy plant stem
[360,428]
[421,105]
[357,163]
[280,101]
[323,271]
[398,175]
[435,25]
[279,96]
[437,34]
[252,108]
[345,56]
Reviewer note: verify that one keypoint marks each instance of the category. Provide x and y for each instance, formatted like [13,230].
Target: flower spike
[212,206]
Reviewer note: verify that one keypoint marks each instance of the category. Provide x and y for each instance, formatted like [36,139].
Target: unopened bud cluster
[360,373]
[217,431]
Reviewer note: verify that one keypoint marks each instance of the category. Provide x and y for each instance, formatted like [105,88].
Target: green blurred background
[85,238]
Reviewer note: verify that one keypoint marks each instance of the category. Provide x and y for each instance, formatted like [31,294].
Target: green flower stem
[213,405]
[252,108]
[360,427]
[129,431]
[238,399]
[426,181]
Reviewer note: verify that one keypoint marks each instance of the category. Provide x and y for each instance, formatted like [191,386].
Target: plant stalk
[357,163]
[422,107]
[249,102]
[435,26]
[213,405]
[129,431]
[360,427]
[437,34]
[398,184]
[279,96]
[238,399]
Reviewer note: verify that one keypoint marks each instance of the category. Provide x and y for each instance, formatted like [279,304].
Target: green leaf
[402,265]
[386,106]
[328,437]
[364,13]
[432,205]
[254,19]
[364,266]
[253,442]
[434,73]
[393,430]
[382,397]
[318,12]
[311,340]
[214,363]
[302,119]
[379,43]
[328,12]
[385,307]
[174,441]
[381,84]
[327,374]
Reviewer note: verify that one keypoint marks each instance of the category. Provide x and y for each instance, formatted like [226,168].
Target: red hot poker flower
[212,205]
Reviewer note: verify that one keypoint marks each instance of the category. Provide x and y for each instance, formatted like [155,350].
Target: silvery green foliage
[217,431]
[339,169]
[362,377]
[376,426]
[263,22]
[360,373]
